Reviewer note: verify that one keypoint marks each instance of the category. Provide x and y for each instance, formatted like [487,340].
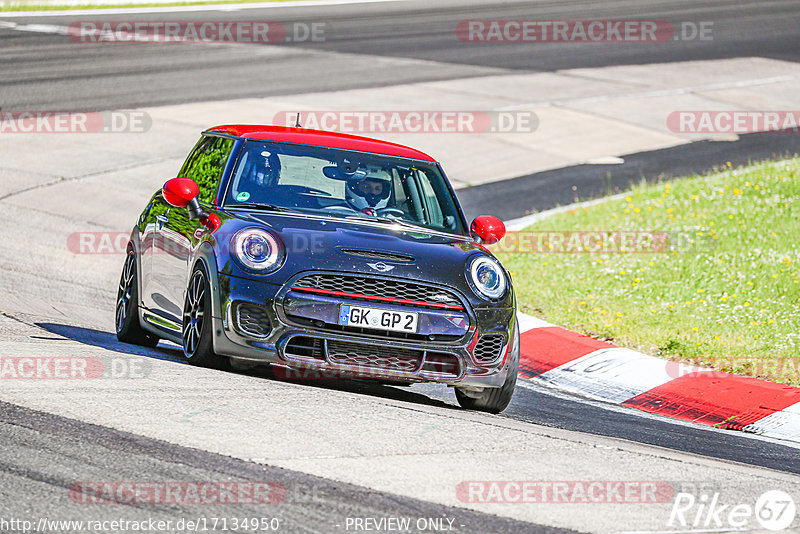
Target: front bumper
[303,333]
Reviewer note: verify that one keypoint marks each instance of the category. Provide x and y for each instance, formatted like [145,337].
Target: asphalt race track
[40,73]
[340,450]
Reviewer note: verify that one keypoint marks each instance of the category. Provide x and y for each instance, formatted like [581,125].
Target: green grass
[43,7]
[726,296]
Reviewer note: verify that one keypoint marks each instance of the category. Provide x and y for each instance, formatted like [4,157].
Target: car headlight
[487,277]
[257,249]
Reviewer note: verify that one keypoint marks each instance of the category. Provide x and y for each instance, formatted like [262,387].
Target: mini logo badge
[381,267]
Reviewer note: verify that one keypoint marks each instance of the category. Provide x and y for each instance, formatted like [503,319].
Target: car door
[176,239]
[156,215]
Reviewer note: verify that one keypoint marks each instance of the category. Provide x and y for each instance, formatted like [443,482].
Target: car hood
[336,244]
[319,243]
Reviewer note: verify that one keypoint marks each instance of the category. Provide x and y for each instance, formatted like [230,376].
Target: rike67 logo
[774,510]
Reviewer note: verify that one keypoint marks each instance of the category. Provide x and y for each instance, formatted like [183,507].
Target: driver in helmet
[370,193]
[262,168]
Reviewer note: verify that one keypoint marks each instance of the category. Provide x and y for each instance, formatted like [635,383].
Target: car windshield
[343,183]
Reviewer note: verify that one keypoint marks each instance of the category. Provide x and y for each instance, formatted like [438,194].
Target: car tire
[126,314]
[494,400]
[197,327]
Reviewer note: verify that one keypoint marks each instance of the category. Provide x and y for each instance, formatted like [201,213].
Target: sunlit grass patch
[724,293]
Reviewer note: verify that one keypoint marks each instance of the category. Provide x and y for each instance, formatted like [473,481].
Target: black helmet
[261,168]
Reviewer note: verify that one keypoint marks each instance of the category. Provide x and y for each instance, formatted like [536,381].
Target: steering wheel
[305,190]
[391,212]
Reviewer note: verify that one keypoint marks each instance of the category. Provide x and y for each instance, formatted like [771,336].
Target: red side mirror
[179,192]
[488,228]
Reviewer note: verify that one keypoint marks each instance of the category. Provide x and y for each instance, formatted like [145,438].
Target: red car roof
[319,138]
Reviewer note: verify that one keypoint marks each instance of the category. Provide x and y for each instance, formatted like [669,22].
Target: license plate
[399,321]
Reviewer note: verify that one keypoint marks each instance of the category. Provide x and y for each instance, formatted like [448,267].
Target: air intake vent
[376,255]
[443,364]
[305,347]
[374,356]
[488,348]
[253,320]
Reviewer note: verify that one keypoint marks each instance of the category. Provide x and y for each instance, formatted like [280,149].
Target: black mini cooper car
[314,250]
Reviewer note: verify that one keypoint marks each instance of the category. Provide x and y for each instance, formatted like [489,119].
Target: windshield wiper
[386,220]
[263,207]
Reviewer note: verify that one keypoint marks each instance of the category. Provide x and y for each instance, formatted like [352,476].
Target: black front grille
[376,255]
[374,356]
[488,348]
[367,358]
[306,347]
[379,288]
[253,320]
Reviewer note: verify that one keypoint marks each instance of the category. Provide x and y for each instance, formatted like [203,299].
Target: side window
[206,164]
[431,202]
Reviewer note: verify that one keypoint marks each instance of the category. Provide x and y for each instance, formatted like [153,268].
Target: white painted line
[780,425]
[514,225]
[605,160]
[520,223]
[179,9]
[614,375]
[529,322]
[554,391]
[649,94]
